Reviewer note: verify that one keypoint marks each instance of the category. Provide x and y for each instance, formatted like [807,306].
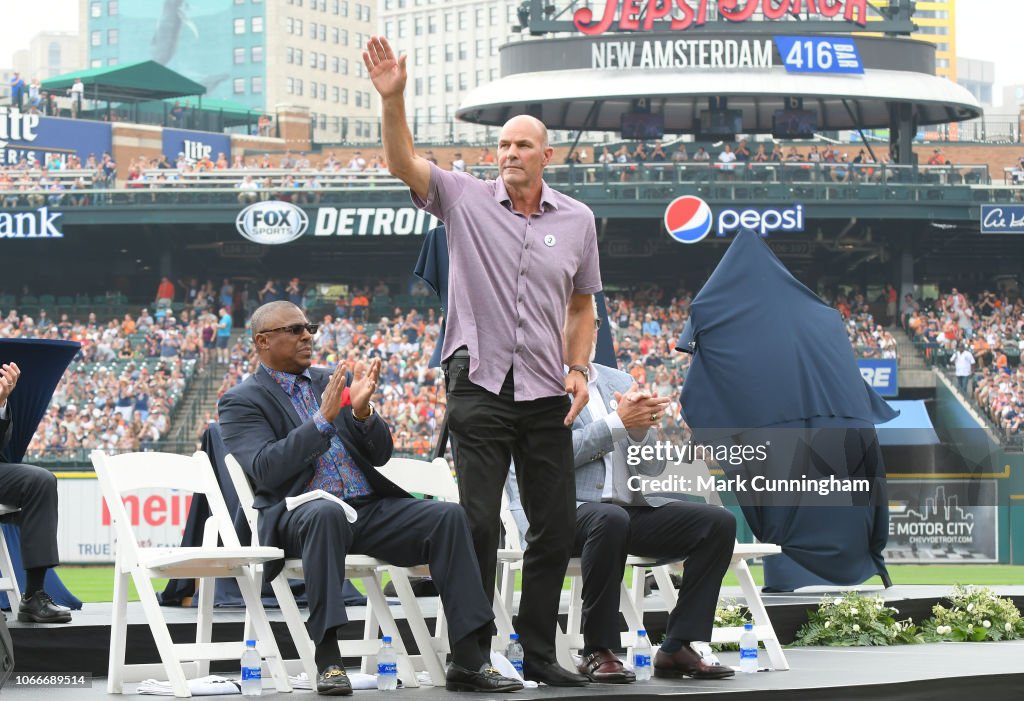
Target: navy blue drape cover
[42,363]
[772,362]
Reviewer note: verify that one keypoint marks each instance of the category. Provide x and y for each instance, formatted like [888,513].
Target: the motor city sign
[689,219]
[642,15]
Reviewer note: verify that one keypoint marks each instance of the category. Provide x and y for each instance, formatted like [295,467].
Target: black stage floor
[994,670]
[953,671]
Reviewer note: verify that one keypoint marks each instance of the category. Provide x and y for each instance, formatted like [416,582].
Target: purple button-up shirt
[511,278]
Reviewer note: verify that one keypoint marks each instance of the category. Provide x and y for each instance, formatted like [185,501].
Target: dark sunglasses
[296,329]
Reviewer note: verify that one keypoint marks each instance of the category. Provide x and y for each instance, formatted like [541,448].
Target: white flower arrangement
[974,614]
[856,620]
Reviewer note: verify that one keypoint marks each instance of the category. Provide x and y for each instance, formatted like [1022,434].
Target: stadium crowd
[990,326]
[121,390]
[65,180]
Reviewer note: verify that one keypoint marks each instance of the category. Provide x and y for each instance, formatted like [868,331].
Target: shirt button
[527,246]
[520,300]
[522,272]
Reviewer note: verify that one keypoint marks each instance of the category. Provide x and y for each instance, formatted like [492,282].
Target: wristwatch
[369,404]
[581,369]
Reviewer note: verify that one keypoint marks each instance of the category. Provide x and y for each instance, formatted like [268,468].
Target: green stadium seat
[65,301]
[47,300]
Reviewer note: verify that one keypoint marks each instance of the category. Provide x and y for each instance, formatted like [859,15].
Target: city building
[48,54]
[255,53]
[978,77]
[936,23]
[452,47]
[1013,98]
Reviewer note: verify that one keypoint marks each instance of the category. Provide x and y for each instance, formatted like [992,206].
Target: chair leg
[13,592]
[666,588]
[760,615]
[204,618]
[376,602]
[268,643]
[573,624]
[118,631]
[296,628]
[420,633]
[161,635]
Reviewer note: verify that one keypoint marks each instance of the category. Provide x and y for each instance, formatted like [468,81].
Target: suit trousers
[703,534]
[34,491]
[487,432]
[401,531]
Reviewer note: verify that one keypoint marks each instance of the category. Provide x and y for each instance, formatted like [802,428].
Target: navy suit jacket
[278,451]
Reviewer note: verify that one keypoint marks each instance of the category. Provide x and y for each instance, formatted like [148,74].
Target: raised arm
[389,76]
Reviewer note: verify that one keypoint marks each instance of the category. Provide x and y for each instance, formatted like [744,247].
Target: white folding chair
[378,613]
[9,580]
[121,474]
[435,479]
[763,628]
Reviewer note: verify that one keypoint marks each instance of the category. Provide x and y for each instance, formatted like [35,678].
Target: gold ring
[654,416]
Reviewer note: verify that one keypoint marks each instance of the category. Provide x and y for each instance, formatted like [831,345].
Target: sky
[986,29]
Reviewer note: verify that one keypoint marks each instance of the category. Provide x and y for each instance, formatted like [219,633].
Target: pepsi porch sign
[689,219]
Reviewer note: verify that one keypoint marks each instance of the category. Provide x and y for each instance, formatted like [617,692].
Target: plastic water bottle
[387,666]
[252,683]
[514,653]
[642,657]
[748,649]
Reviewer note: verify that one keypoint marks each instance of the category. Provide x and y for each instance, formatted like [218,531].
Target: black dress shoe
[459,678]
[39,608]
[333,681]
[552,674]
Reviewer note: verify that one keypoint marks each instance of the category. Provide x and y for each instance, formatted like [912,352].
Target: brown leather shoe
[687,663]
[603,667]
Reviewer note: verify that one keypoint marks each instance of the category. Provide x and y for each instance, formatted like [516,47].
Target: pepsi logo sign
[271,223]
[688,219]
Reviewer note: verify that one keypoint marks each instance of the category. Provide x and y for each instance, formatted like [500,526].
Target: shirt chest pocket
[553,257]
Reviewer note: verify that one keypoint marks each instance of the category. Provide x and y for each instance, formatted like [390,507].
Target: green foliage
[975,614]
[855,620]
[729,614]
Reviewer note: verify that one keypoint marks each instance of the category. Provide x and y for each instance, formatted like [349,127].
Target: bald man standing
[523,269]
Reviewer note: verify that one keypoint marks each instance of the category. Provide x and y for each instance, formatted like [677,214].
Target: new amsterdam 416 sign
[637,15]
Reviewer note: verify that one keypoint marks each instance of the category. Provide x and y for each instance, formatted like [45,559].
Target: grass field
[96,584]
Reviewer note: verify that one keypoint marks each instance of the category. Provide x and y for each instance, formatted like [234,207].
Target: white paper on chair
[292,502]
[358,680]
[204,686]
[505,668]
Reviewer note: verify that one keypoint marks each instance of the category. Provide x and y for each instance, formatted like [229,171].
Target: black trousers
[488,431]
[605,533]
[403,532]
[34,491]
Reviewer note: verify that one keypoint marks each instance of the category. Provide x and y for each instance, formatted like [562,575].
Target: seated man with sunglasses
[288,429]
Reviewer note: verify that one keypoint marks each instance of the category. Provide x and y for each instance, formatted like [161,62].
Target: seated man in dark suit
[614,520]
[34,491]
[288,429]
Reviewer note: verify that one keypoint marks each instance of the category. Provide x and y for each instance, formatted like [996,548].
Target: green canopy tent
[127,83]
